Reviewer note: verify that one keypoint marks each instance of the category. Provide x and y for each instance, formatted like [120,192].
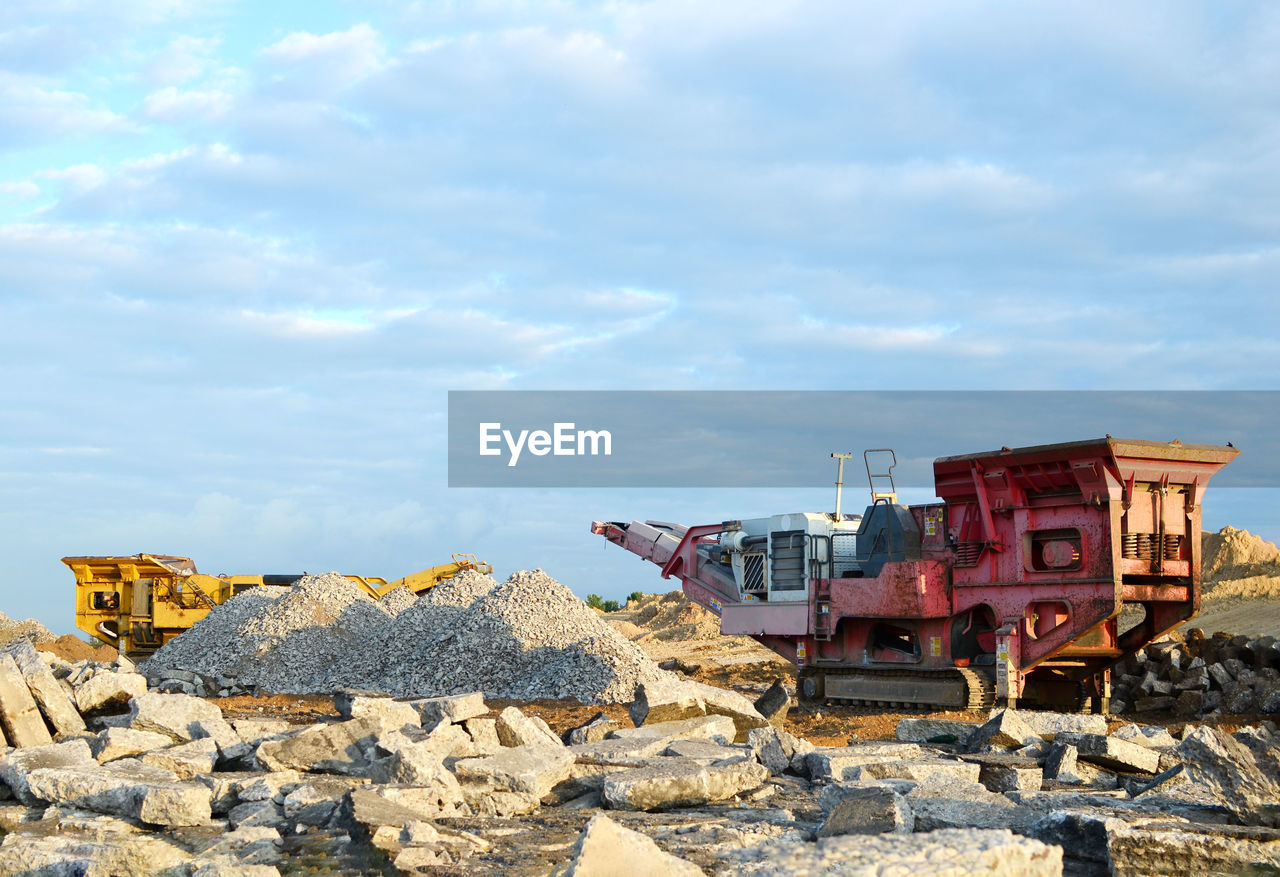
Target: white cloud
[202,105]
[334,60]
[78,177]
[20,189]
[36,113]
[307,323]
[185,58]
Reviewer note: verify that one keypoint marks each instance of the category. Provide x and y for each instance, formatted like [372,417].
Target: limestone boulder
[671,700]
[681,784]
[112,688]
[607,849]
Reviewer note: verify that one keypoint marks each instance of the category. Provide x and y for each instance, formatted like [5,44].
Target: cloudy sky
[247,248]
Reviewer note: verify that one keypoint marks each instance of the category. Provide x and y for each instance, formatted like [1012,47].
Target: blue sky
[248,248]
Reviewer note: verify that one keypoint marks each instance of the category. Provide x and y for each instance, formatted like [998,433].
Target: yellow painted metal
[139,602]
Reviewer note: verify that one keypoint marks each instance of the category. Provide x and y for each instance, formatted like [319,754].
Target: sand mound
[667,617]
[72,648]
[1237,564]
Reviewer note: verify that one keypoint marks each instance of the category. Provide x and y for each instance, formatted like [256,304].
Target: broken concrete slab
[1006,729]
[272,786]
[176,804]
[374,805]
[222,788]
[1082,834]
[1048,725]
[620,752]
[122,788]
[714,729]
[176,715]
[440,742]
[593,731]
[1145,735]
[913,769]
[1188,849]
[454,708]
[1061,764]
[110,688]
[389,712]
[1226,765]
[778,750]
[680,784]
[532,769]
[1112,753]
[416,764]
[830,795]
[607,849]
[706,752]
[1069,799]
[672,700]
[254,731]
[946,731]
[186,760]
[827,763]
[483,731]
[114,743]
[996,853]
[50,695]
[142,855]
[1007,772]
[19,715]
[16,765]
[329,747]
[868,810]
[256,814]
[516,729]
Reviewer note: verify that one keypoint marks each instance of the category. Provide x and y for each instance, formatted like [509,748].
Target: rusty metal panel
[909,589]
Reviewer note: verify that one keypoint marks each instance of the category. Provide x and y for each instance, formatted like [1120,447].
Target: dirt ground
[821,725]
[1252,617]
[670,630]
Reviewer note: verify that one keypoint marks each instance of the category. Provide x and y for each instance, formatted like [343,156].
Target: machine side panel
[762,619]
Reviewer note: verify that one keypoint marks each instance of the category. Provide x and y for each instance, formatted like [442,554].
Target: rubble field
[317,731]
[108,775]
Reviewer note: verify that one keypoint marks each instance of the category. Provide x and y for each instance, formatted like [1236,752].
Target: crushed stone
[529,637]
[395,602]
[12,629]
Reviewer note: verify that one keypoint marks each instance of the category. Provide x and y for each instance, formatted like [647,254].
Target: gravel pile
[11,629]
[293,640]
[462,590]
[395,602]
[527,638]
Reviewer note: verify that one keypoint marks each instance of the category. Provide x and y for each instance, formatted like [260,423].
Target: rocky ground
[111,776]
[196,767]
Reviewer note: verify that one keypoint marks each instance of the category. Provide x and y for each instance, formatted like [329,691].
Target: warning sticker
[935,646]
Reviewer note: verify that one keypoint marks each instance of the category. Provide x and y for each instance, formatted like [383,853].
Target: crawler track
[953,689]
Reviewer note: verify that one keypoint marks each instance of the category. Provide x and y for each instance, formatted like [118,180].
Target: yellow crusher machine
[139,602]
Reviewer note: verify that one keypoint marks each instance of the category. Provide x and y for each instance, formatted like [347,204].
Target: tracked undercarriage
[955,689]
